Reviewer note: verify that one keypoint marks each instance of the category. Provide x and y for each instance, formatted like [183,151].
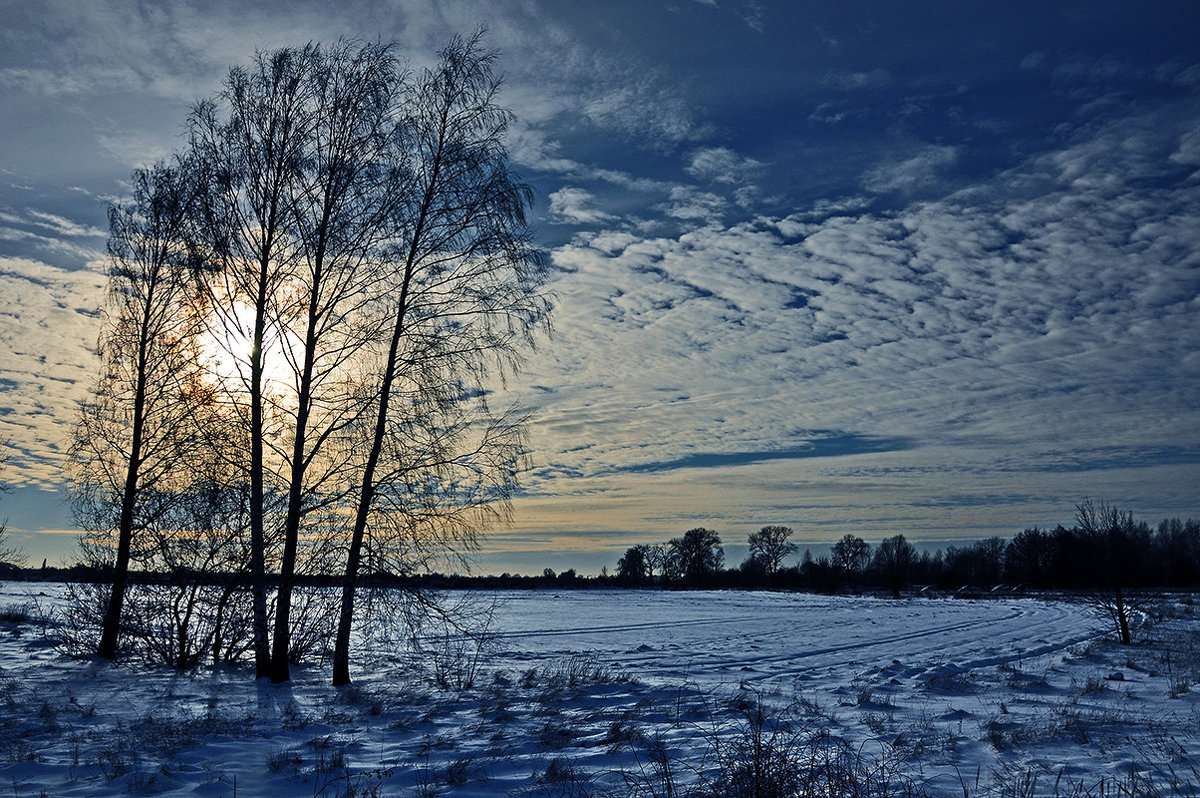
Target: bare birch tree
[466,295]
[251,138]
[138,424]
[341,217]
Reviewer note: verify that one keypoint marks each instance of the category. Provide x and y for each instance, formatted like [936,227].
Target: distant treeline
[1105,548]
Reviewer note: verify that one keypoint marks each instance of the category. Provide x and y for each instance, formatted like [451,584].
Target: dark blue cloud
[842,445]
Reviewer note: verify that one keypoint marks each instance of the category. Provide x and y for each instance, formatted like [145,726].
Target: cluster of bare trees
[1106,556]
[305,309]
[694,559]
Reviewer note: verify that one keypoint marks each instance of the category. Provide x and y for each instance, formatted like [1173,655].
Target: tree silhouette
[894,558]
[696,557]
[138,425]
[251,139]
[463,298]
[631,568]
[770,547]
[1117,546]
[1027,558]
[851,554]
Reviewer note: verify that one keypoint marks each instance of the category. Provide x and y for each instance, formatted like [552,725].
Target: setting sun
[226,351]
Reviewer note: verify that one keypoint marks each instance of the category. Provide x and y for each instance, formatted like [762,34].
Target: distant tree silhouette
[1105,550]
[655,559]
[1027,559]
[851,554]
[1178,544]
[980,564]
[631,568]
[770,547]
[893,560]
[696,557]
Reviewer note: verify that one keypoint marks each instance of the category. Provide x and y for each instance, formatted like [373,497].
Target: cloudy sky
[930,268]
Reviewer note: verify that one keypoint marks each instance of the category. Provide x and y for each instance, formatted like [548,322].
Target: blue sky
[930,268]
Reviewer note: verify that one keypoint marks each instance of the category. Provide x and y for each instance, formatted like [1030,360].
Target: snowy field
[581,693]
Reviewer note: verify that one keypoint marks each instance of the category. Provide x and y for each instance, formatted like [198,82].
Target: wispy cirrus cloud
[913,172]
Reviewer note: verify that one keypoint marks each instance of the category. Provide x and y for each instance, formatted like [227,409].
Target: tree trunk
[110,629]
[1123,618]
[258,546]
[341,651]
[280,671]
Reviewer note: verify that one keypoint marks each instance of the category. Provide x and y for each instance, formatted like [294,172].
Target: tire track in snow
[613,628]
[808,654]
[1009,635]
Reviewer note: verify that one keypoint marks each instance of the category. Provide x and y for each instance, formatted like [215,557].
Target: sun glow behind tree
[358,268]
[226,346]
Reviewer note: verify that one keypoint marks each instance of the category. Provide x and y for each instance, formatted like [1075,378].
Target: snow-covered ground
[639,693]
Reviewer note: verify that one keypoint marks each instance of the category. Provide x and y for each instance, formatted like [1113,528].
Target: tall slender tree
[341,216]
[251,138]
[139,422]
[466,294]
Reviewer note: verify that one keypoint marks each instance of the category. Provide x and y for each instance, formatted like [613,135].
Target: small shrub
[17,748]
[554,736]
[331,771]
[867,696]
[284,760]
[294,717]
[460,771]
[621,732]
[561,779]
[878,722]
[9,690]
[16,614]
[117,759]
[577,671]
[1004,735]
[359,697]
